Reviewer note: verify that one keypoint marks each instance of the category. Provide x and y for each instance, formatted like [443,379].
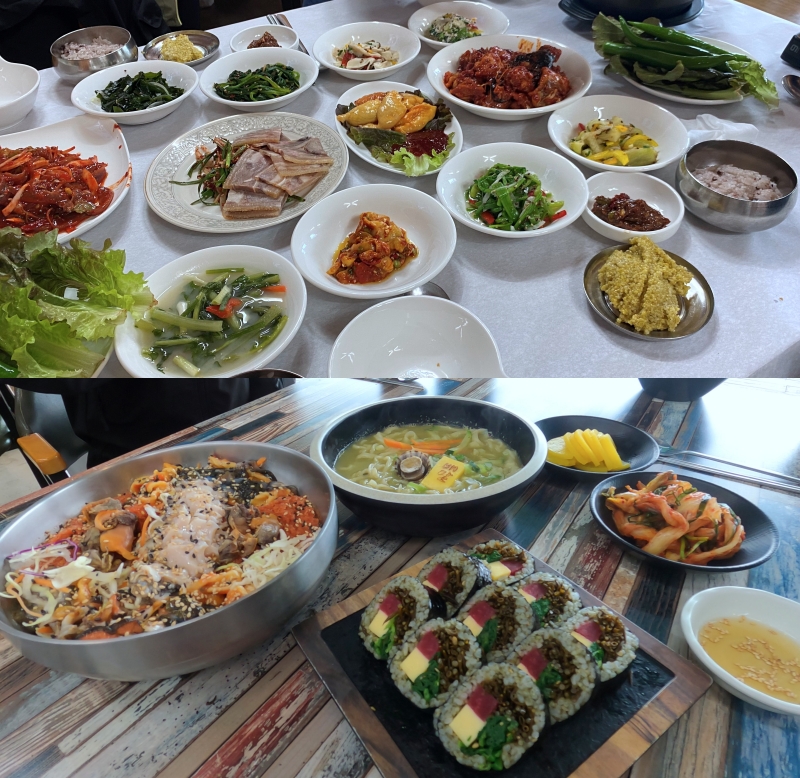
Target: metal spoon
[430,289]
[791,84]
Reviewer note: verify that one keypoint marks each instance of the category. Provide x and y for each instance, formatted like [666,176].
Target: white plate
[415,337]
[676,98]
[731,602]
[84,93]
[19,85]
[558,176]
[657,122]
[285,36]
[250,59]
[639,186]
[427,224]
[351,95]
[489,20]
[174,203]
[130,341]
[402,40]
[90,137]
[575,67]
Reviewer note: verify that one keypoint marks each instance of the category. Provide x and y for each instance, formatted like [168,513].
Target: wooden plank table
[266,713]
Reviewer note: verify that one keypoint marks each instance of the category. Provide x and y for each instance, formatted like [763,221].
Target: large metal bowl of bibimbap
[198,642]
[431,514]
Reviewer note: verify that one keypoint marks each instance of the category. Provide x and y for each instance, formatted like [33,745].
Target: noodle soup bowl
[196,643]
[431,514]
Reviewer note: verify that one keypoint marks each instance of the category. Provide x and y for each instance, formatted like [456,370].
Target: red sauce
[426,142]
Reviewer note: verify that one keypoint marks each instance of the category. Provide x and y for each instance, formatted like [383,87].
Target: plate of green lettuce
[61,304]
[679,67]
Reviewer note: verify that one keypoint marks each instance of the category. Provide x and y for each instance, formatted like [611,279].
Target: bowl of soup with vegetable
[429,465]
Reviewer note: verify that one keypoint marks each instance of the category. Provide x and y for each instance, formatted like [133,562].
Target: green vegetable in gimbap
[552,599]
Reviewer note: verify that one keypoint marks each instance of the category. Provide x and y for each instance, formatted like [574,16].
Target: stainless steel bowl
[201,642]
[74,70]
[730,213]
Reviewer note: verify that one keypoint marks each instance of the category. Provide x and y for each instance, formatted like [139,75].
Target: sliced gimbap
[506,561]
[552,599]
[401,607]
[499,618]
[455,577]
[491,718]
[561,667]
[432,660]
[610,643]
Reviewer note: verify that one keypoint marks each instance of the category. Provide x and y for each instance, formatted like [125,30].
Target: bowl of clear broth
[429,466]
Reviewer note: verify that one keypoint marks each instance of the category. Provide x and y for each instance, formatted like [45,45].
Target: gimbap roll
[561,668]
[491,718]
[455,576]
[432,660]
[401,607]
[552,598]
[506,561]
[610,643]
[499,618]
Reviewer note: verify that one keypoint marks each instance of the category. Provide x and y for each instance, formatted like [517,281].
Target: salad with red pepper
[512,198]
[216,321]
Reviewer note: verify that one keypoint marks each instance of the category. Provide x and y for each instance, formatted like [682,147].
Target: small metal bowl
[207,42]
[74,70]
[731,213]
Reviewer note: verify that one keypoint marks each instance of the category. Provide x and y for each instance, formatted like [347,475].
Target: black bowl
[635,10]
[679,389]
[430,515]
[761,534]
[634,445]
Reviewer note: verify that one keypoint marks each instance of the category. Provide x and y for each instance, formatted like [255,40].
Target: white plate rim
[260,26]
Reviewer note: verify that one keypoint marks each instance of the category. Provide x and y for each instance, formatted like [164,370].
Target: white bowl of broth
[501,453]
[723,627]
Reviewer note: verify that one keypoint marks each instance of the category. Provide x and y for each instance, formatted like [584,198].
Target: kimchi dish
[49,188]
[499,78]
[180,543]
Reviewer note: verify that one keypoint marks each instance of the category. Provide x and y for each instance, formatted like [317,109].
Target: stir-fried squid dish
[670,518]
[182,542]
[428,458]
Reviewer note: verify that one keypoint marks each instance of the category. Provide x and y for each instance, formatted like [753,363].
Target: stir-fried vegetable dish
[614,142]
[370,55]
[670,518]
[451,27]
[511,198]
[672,61]
[404,129]
[217,320]
[136,93]
[265,83]
[178,543]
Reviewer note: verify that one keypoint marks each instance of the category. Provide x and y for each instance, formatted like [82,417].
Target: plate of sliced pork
[245,172]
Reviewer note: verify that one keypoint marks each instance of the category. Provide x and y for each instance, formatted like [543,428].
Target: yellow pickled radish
[578,448]
[593,460]
[557,453]
[592,468]
[610,454]
[591,438]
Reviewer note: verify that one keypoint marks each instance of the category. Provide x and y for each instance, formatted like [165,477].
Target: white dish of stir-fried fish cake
[245,172]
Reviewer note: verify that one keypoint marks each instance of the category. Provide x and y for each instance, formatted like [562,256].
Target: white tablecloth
[528,292]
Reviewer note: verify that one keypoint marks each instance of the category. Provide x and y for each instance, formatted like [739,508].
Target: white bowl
[286,36]
[657,122]
[489,20]
[129,341]
[84,93]
[320,230]
[639,186]
[415,337]
[402,40]
[359,90]
[576,68]
[731,602]
[252,59]
[558,176]
[19,85]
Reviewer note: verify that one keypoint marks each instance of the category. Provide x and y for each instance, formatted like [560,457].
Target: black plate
[761,534]
[577,10]
[561,749]
[633,445]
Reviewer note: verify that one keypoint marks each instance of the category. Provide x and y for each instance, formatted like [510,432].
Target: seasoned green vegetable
[512,199]
[136,93]
[266,83]
[451,28]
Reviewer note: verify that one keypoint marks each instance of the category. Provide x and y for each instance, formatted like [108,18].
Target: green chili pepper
[660,59]
[660,45]
[676,36]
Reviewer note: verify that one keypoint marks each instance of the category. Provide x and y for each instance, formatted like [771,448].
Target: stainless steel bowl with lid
[74,70]
[199,642]
[732,213]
